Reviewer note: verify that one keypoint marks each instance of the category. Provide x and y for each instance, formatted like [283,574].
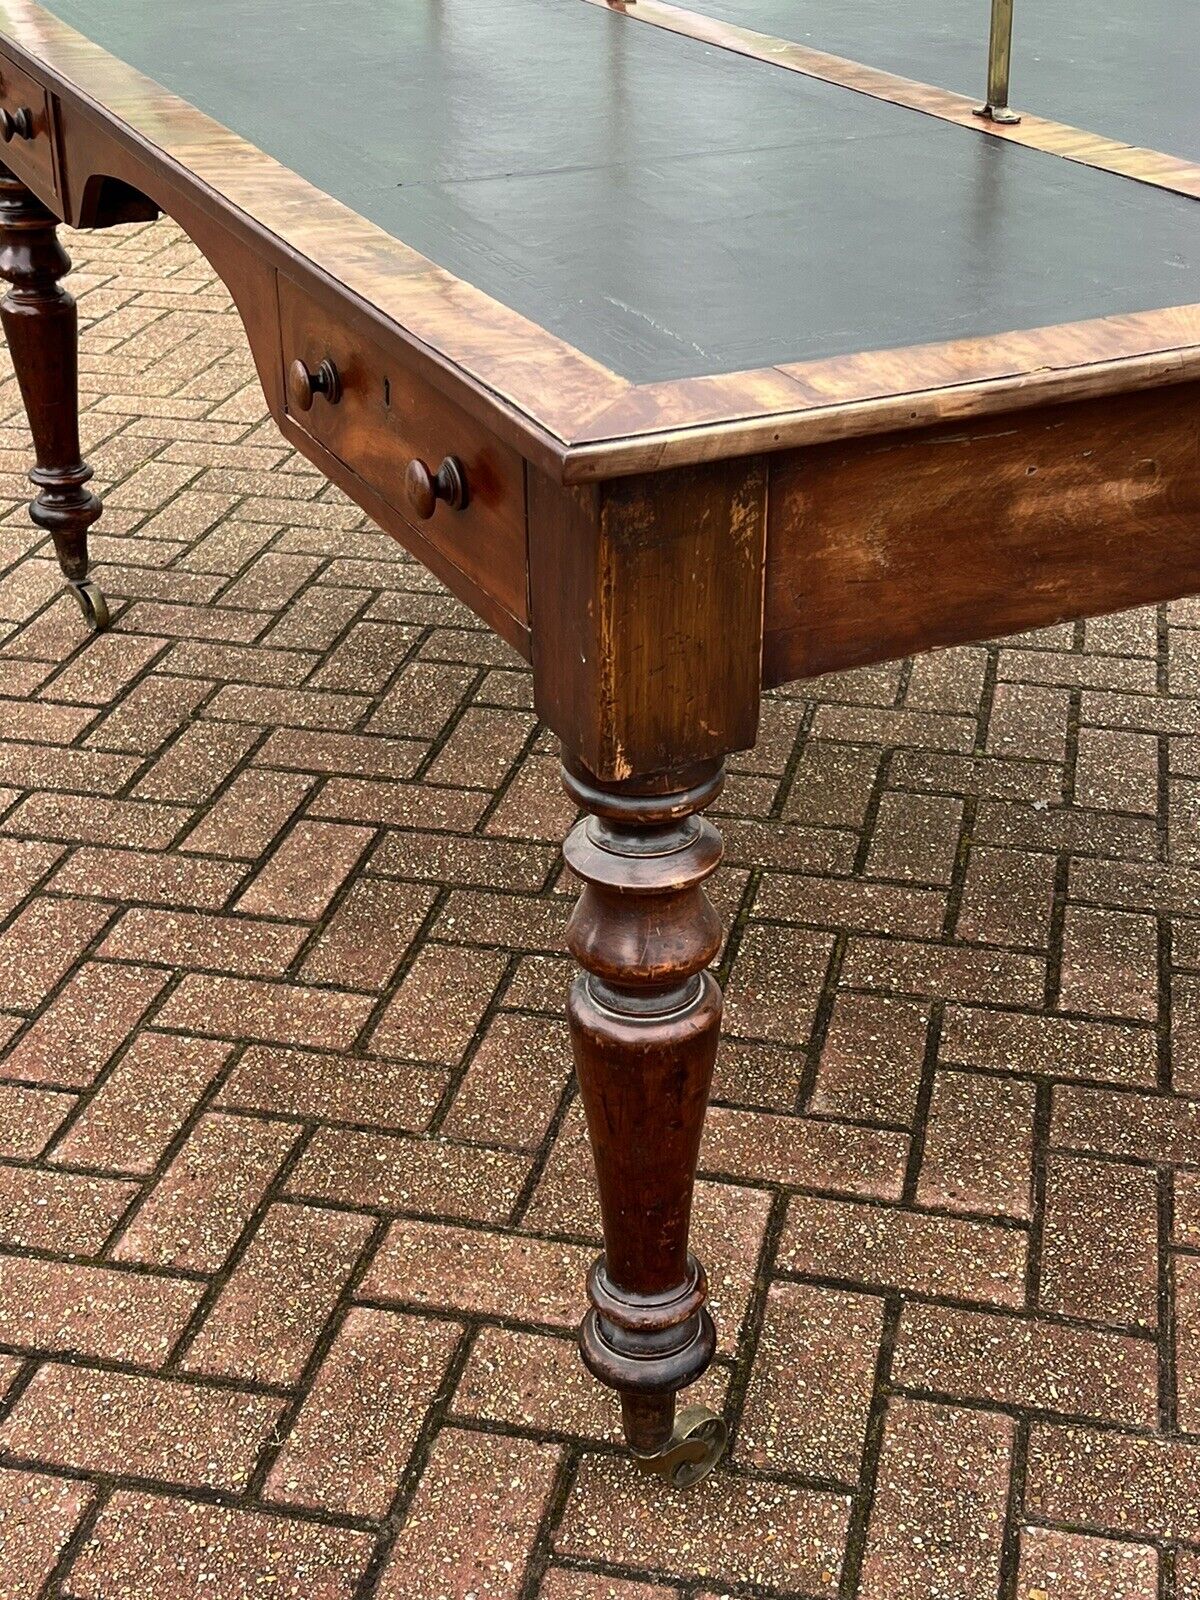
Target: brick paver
[294,1191]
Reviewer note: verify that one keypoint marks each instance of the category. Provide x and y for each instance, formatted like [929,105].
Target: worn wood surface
[882,391]
[645,1017]
[34,150]
[881,547]
[646,611]
[115,122]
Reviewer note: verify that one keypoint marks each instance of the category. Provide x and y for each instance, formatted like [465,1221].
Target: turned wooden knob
[425,488]
[16,124]
[304,386]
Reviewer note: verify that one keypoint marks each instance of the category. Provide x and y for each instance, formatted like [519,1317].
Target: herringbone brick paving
[294,1201]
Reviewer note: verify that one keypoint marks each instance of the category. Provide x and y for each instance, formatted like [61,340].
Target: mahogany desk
[695,360]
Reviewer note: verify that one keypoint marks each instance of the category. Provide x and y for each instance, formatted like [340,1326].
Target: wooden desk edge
[615,451]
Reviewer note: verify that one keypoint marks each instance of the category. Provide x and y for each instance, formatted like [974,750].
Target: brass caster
[697,1444]
[92,603]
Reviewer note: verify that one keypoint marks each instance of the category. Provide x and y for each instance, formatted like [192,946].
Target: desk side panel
[881,547]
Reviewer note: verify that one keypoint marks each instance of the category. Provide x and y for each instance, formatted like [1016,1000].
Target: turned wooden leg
[41,326]
[645,1016]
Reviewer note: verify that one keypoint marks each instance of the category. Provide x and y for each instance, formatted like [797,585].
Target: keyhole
[387,393]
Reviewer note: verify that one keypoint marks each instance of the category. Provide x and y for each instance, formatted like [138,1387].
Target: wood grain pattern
[645,1018]
[34,159]
[385,418]
[1154,167]
[646,610]
[881,547]
[881,391]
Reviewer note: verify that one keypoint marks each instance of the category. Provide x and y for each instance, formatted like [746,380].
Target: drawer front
[27,116]
[383,419]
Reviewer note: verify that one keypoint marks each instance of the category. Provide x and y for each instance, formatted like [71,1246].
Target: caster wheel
[92,603]
[697,1444]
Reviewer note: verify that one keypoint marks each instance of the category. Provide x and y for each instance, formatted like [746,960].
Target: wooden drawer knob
[426,488]
[304,386]
[16,124]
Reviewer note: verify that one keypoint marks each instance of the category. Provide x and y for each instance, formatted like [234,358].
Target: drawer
[27,118]
[378,419]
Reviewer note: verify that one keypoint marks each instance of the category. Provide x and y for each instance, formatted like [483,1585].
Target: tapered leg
[644,1017]
[41,327]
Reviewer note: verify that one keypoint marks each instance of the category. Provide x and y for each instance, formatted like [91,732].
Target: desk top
[667,208]
[672,211]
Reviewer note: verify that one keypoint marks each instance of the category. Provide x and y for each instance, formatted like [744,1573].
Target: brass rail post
[996,109]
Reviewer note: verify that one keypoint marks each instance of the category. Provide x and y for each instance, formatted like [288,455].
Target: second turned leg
[645,1015]
[41,326]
